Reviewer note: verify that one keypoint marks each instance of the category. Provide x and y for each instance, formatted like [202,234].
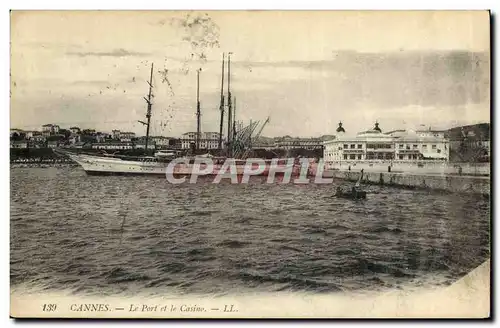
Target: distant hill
[470,143]
[479,131]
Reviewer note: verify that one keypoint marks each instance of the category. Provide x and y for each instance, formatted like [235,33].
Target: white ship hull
[102,165]
[97,165]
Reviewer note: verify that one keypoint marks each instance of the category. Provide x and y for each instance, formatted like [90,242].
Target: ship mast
[221,105]
[234,119]
[198,110]
[148,113]
[229,106]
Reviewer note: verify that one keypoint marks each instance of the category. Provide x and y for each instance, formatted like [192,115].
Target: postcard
[250,164]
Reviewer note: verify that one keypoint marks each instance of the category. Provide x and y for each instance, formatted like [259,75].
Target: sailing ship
[237,147]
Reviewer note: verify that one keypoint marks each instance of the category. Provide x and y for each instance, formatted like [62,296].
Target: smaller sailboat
[150,162]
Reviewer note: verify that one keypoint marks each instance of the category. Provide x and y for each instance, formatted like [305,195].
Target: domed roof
[340,128]
[375,130]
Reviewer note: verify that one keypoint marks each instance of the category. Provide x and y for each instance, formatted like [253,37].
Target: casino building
[394,146]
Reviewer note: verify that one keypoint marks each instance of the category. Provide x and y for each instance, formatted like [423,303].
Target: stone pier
[452,183]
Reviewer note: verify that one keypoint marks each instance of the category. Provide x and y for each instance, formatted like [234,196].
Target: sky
[305,70]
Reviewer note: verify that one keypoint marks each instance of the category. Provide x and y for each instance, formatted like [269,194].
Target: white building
[431,133]
[74,139]
[19,144]
[208,140]
[142,145]
[115,134]
[376,146]
[288,142]
[30,134]
[101,136]
[126,136]
[112,145]
[50,129]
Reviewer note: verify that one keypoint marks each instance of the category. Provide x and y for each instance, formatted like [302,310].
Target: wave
[233,243]
[385,229]
[118,275]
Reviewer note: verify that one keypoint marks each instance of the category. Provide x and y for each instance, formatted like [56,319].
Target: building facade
[374,145]
[19,144]
[288,142]
[208,140]
[113,145]
[50,129]
[127,136]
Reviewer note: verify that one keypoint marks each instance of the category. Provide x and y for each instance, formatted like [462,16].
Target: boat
[161,166]
[350,194]
[158,162]
[354,193]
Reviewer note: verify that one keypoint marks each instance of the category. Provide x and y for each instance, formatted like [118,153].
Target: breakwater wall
[451,183]
[414,167]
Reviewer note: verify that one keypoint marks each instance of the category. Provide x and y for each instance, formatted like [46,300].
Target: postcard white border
[186,4]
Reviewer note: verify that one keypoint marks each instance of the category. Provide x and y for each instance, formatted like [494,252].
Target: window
[401,157]
[345,156]
[408,147]
[360,146]
[379,146]
[415,146]
[439,151]
[359,156]
[401,146]
[424,147]
[346,146]
[434,146]
[353,146]
[352,156]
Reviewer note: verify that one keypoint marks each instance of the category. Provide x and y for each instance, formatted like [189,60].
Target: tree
[15,137]
[65,133]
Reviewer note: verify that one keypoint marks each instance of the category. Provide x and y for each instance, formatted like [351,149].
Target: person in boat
[358,183]
[355,191]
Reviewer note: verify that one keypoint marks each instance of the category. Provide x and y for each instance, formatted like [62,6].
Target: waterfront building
[38,138]
[126,136]
[74,139]
[376,146]
[432,133]
[166,142]
[29,134]
[19,144]
[115,134]
[142,144]
[101,136]
[288,143]
[208,140]
[113,145]
[50,129]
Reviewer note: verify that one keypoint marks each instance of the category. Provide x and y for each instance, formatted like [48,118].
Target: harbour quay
[451,183]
